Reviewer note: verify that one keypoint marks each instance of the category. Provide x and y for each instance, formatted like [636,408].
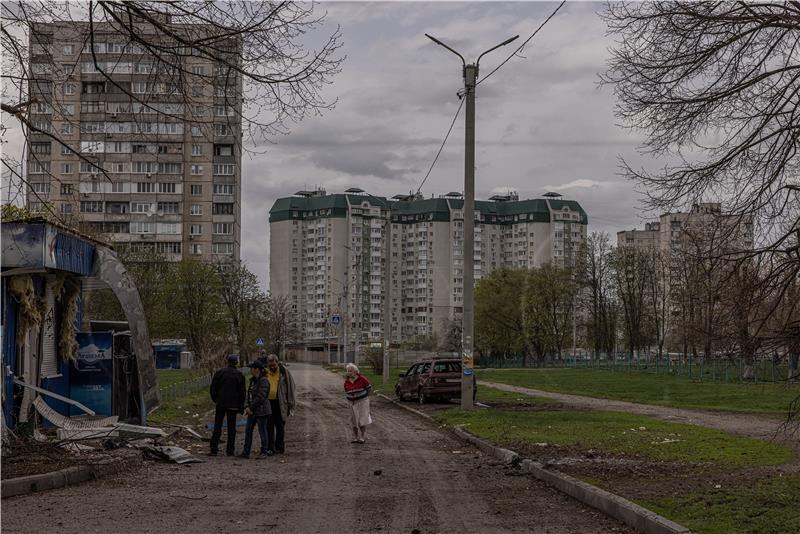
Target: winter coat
[357,389]
[257,396]
[285,392]
[228,389]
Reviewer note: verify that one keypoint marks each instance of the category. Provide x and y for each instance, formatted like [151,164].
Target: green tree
[499,322]
[549,296]
[197,309]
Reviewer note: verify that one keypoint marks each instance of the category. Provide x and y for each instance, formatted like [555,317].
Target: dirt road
[428,482]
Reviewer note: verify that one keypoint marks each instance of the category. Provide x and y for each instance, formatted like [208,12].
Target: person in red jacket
[357,389]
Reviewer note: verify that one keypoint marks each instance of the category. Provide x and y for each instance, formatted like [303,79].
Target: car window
[423,368]
[411,370]
[446,367]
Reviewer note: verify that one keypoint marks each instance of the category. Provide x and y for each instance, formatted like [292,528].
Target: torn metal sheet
[139,431]
[88,433]
[70,423]
[169,454]
[54,395]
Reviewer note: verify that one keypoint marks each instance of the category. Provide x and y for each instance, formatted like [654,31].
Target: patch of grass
[182,410]
[619,433]
[167,377]
[663,390]
[498,396]
[767,506]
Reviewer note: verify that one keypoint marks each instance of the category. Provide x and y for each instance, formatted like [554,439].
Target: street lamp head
[510,40]
[437,41]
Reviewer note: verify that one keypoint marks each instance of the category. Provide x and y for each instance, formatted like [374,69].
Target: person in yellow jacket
[281,399]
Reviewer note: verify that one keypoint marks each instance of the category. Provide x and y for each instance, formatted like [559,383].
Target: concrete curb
[613,505]
[59,479]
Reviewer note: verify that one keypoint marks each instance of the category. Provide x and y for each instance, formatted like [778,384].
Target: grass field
[679,392]
[619,433]
[767,506]
[183,409]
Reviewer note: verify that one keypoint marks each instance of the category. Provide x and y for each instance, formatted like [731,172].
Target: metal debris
[169,454]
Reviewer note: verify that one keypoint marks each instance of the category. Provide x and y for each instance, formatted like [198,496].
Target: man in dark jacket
[257,410]
[228,393]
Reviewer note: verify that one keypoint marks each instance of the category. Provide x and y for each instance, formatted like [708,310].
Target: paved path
[429,481]
[735,423]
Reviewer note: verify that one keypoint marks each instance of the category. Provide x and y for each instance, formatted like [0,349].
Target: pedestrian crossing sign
[260,342]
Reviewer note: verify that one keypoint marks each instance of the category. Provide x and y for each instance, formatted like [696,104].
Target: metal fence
[766,368]
[177,390]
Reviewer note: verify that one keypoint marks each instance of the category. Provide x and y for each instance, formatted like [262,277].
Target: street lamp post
[470,73]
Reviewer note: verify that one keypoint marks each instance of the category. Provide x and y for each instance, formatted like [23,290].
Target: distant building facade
[396,266]
[168,140]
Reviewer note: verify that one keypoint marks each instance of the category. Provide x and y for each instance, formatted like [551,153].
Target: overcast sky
[543,124]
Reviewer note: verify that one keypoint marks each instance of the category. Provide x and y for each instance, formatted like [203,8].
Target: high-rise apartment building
[705,226]
[397,265]
[158,131]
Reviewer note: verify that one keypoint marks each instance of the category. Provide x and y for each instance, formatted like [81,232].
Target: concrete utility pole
[470,73]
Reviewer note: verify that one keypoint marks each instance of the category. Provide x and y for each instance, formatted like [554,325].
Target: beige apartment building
[705,225]
[165,131]
[397,265]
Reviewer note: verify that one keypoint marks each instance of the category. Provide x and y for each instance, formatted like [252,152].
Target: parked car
[438,378]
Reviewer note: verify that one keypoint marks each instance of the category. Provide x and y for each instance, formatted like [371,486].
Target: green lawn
[498,398]
[769,506]
[182,409]
[664,390]
[619,434]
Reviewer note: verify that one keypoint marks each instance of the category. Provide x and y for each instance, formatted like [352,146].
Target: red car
[439,378]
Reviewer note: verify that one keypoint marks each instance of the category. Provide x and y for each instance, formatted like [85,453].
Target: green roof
[429,209]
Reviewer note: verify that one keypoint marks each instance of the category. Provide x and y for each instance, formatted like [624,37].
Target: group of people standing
[269,400]
[267,403]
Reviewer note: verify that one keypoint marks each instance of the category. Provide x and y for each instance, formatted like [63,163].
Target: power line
[441,147]
[553,14]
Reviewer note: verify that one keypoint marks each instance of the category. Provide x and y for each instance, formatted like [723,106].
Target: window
[196,209]
[40,148]
[142,68]
[40,187]
[168,208]
[118,208]
[196,131]
[168,248]
[93,127]
[92,107]
[118,167]
[223,228]
[91,206]
[199,111]
[68,49]
[144,167]
[35,206]
[223,150]
[195,229]
[168,228]
[197,169]
[197,150]
[66,209]
[196,190]
[145,187]
[221,129]
[66,189]
[141,227]
[222,248]
[196,249]
[140,207]
[170,168]
[199,70]
[92,147]
[39,167]
[69,88]
[118,187]
[197,90]
[222,208]
[139,87]
[223,189]
[223,111]
[223,169]
[168,187]
[66,128]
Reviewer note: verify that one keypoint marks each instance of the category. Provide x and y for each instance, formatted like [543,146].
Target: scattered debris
[169,454]
[70,423]
[377,472]
[86,434]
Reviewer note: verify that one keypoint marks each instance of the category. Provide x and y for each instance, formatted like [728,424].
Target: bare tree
[263,74]
[451,338]
[242,298]
[597,278]
[631,269]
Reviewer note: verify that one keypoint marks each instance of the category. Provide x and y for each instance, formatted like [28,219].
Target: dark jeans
[220,414]
[252,421]
[275,426]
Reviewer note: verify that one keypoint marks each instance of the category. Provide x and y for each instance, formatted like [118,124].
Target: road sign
[260,342]
[335,319]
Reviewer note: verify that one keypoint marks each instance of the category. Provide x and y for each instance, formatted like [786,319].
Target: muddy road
[410,476]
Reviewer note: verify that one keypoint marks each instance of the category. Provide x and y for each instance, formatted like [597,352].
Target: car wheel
[398,393]
[421,397]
